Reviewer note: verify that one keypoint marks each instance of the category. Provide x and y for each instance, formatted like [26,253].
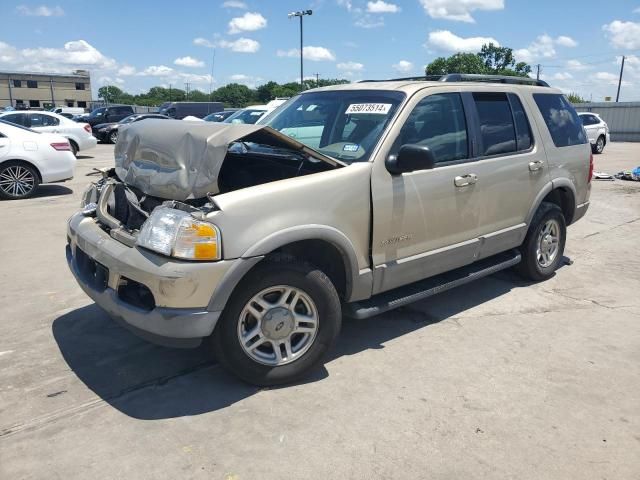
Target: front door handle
[535,166]
[465,180]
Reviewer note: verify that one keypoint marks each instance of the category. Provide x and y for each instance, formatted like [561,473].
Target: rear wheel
[17,180]
[74,148]
[598,147]
[279,324]
[113,136]
[543,247]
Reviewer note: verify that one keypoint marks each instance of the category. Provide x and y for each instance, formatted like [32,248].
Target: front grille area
[94,273]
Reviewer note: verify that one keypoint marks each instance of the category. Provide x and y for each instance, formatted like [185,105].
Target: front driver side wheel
[279,323]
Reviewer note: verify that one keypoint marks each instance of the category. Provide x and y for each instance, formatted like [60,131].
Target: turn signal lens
[196,240]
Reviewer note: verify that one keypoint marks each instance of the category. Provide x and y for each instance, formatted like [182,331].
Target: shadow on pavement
[51,190]
[150,382]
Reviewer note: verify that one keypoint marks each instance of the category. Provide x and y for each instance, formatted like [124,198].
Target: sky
[143,43]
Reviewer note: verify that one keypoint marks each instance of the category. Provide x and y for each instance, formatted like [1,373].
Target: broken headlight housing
[178,234]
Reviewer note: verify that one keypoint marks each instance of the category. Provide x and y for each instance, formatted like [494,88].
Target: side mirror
[410,158]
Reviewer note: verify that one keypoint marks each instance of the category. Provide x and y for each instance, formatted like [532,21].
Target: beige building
[45,90]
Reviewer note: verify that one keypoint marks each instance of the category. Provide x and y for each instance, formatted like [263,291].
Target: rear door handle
[465,180]
[537,165]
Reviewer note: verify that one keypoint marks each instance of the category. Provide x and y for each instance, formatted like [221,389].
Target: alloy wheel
[17,181]
[548,243]
[278,325]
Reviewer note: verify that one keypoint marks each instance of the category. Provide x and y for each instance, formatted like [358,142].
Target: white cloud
[241,45]
[562,76]
[403,66]
[542,47]
[195,78]
[203,42]
[369,21]
[315,54]
[126,70]
[450,42]
[576,65]
[565,41]
[459,10]
[623,34]
[249,22]
[234,4]
[247,80]
[239,77]
[156,71]
[608,77]
[350,66]
[346,4]
[188,62]
[380,6]
[74,54]
[40,11]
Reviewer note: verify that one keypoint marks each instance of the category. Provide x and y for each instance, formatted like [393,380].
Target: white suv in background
[78,134]
[597,130]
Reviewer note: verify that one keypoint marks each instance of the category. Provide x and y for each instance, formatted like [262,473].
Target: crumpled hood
[178,160]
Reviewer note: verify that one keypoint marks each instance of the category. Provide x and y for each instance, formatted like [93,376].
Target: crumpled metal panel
[173,159]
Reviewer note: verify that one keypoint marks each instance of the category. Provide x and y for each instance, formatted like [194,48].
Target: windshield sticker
[351,147]
[370,108]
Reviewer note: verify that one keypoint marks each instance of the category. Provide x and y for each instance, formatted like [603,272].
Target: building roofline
[45,74]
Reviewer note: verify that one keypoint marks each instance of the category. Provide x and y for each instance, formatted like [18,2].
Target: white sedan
[29,158]
[597,130]
[79,134]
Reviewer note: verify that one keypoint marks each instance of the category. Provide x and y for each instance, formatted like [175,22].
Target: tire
[598,147]
[18,180]
[535,264]
[74,148]
[313,294]
[113,137]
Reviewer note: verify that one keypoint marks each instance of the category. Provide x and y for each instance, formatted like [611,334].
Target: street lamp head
[300,13]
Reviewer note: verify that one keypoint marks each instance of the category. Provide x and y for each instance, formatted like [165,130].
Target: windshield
[247,115]
[98,112]
[129,119]
[343,124]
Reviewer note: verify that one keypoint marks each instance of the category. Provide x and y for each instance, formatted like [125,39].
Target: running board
[399,297]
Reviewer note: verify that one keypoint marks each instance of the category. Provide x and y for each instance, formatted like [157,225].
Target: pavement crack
[612,228]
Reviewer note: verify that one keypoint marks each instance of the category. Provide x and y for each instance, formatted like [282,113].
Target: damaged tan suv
[348,200]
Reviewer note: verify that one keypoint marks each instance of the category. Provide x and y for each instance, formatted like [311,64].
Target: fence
[623,118]
[136,108]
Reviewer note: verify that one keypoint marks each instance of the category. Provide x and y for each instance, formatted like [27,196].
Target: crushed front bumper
[162,299]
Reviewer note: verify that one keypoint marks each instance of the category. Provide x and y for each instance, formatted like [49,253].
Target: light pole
[301,14]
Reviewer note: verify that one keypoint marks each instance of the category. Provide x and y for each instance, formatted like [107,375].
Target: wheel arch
[560,192]
[323,246]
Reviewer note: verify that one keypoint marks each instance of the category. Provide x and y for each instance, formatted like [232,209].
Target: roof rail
[471,77]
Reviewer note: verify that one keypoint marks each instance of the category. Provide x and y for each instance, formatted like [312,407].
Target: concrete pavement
[499,379]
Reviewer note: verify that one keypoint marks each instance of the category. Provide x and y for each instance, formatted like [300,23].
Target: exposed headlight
[90,195]
[177,234]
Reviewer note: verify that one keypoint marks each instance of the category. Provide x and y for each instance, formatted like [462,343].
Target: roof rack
[469,77]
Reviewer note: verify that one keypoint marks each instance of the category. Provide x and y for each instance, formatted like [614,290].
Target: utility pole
[301,14]
[538,74]
[213,62]
[317,79]
[169,92]
[620,79]
[186,89]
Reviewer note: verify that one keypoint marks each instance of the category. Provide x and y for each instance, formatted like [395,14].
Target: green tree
[491,59]
[234,95]
[109,93]
[575,98]
[458,63]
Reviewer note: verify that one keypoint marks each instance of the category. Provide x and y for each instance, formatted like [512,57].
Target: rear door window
[523,130]
[563,122]
[17,118]
[497,126]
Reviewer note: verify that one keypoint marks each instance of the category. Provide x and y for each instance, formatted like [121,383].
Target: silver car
[347,200]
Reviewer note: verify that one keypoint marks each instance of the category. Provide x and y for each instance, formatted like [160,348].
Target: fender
[552,185]
[358,283]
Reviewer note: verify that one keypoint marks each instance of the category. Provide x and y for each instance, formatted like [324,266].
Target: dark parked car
[111,114]
[179,110]
[108,132]
[219,116]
